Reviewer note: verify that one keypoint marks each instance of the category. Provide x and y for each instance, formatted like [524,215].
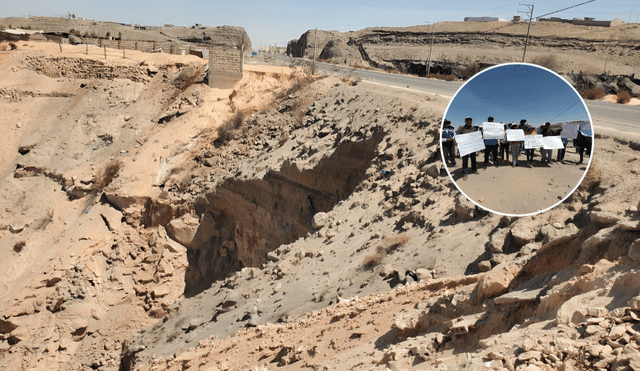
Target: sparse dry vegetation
[548,61]
[391,243]
[19,246]
[623,97]
[593,94]
[227,131]
[592,179]
[109,173]
[469,70]
[372,260]
[442,77]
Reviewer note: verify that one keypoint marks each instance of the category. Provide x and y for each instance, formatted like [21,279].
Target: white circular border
[593,137]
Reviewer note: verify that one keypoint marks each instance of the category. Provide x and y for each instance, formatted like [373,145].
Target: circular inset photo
[517,139]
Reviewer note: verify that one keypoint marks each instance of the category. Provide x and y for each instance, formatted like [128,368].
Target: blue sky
[515,92]
[269,22]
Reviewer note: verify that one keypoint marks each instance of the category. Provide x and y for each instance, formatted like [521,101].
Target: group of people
[504,147]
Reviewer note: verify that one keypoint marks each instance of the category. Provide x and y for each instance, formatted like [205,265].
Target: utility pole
[526,40]
[430,47]
[315,44]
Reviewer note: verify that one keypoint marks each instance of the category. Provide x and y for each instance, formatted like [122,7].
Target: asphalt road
[610,118]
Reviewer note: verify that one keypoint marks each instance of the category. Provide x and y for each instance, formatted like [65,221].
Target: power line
[573,6]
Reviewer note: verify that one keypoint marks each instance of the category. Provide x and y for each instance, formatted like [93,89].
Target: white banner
[585,126]
[552,143]
[493,130]
[569,131]
[469,143]
[533,141]
[515,135]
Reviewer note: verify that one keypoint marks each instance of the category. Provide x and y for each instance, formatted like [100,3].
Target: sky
[277,22]
[514,92]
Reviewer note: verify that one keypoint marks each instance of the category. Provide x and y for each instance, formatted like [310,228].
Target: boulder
[497,282]
[604,217]
[465,208]
[497,239]
[320,220]
[184,229]
[634,250]
[522,235]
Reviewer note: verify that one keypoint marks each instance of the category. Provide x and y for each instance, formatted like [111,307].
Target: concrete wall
[225,67]
[580,22]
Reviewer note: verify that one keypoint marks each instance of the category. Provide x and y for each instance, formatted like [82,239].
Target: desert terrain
[526,188]
[293,222]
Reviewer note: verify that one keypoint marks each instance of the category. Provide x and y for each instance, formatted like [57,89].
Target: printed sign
[515,135]
[493,130]
[552,143]
[569,131]
[469,143]
[533,141]
[585,126]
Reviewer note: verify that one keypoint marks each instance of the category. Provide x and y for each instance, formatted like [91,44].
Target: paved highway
[611,118]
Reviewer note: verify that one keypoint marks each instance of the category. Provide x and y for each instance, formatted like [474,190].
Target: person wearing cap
[491,146]
[465,129]
[545,131]
[448,143]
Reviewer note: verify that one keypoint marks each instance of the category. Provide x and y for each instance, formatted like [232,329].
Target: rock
[111,216]
[183,229]
[592,329]
[423,274]
[496,241]
[464,208]
[522,235]
[594,350]
[434,170]
[634,303]
[484,266]
[532,354]
[631,86]
[630,225]
[604,217]
[597,312]
[497,282]
[634,250]
[594,245]
[75,40]
[617,332]
[273,256]
[320,220]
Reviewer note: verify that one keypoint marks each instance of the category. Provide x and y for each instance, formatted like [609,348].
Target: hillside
[562,47]
[293,222]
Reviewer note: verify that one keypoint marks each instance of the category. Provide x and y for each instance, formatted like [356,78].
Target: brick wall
[225,60]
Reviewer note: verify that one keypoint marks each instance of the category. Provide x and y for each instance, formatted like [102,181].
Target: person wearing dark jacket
[584,142]
[491,146]
[448,143]
[545,131]
[468,128]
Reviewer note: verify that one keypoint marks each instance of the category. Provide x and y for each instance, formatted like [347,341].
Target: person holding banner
[491,146]
[516,145]
[528,130]
[448,143]
[545,131]
[565,142]
[468,128]
[504,147]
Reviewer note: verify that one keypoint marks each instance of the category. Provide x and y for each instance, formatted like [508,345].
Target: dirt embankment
[288,223]
[563,48]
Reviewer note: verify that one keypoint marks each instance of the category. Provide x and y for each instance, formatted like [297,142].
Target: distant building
[483,19]
[587,21]
[516,18]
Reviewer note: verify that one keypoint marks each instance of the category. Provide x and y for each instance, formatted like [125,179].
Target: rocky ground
[293,222]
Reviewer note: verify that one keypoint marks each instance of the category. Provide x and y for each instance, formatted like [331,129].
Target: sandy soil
[524,189]
[398,271]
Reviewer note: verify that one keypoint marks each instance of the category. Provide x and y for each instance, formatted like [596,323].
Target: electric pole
[315,44]
[526,40]
[430,47]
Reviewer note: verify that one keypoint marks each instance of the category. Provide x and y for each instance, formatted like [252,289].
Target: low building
[484,19]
